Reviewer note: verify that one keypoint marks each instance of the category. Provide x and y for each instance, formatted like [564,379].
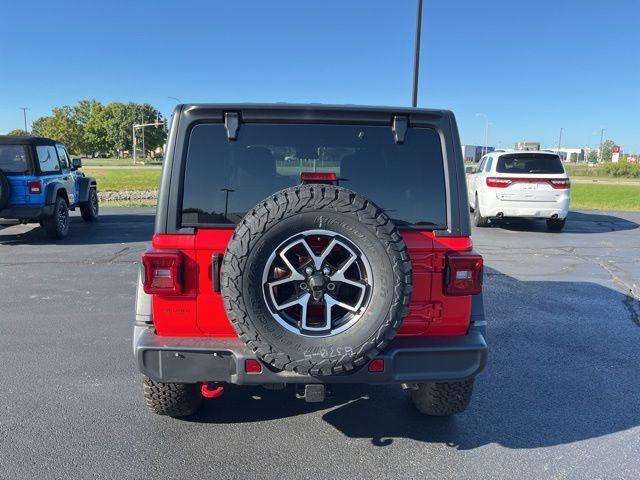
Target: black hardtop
[234,115]
[26,140]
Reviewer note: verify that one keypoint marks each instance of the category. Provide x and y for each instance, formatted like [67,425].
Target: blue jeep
[40,183]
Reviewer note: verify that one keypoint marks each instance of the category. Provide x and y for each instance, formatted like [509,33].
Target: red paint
[199,311]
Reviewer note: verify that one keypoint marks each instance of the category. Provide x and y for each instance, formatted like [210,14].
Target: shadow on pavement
[577,222]
[562,369]
[110,228]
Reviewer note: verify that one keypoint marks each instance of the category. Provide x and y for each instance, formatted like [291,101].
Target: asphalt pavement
[560,397]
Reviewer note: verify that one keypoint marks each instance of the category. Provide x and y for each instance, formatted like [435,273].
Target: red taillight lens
[252,366]
[463,274]
[560,183]
[163,272]
[34,186]
[498,182]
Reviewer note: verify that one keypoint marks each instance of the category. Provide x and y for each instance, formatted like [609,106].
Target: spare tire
[5,190]
[316,280]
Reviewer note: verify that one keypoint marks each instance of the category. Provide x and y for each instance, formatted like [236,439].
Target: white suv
[526,184]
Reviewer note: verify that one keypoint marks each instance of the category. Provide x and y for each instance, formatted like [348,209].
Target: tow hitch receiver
[312,393]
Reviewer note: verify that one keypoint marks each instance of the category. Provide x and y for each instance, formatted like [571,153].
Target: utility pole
[486,132]
[601,139]
[142,126]
[24,114]
[559,140]
[416,55]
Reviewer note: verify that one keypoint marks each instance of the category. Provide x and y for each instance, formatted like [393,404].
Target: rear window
[224,179]
[13,159]
[529,163]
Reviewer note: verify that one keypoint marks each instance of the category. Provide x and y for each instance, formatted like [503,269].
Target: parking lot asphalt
[560,397]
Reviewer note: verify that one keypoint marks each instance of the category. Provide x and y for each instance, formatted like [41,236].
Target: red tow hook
[208,392]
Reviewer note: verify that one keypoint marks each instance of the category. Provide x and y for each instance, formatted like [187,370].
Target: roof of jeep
[26,140]
[314,109]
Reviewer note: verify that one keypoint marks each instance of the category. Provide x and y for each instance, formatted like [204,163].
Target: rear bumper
[406,359]
[524,209]
[27,212]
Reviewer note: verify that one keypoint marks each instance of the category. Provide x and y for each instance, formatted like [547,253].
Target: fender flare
[52,192]
[85,184]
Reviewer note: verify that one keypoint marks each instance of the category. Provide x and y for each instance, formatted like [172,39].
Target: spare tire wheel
[316,280]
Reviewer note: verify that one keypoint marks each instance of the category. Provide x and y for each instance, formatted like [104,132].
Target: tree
[592,156]
[60,126]
[17,132]
[607,150]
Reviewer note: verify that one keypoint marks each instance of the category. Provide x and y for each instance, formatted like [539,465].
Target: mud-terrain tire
[172,399]
[442,398]
[308,208]
[5,190]
[57,225]
[555,224]
[478,219]
[89,209]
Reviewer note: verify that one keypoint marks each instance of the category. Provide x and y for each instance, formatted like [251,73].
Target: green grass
[117,162]
[117,180]
[605,197]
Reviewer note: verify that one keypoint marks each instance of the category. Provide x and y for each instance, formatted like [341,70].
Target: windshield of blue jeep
[224,179]
[13,159]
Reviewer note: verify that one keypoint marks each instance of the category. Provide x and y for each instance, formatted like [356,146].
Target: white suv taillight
[463,274]
[162,272]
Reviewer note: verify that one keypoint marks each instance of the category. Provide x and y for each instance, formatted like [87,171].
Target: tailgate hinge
[216,264]
[434,311]
[232,124]
[439,262]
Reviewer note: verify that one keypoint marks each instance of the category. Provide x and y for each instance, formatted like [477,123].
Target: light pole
[559,140]
[24,114]
[175,98]
[600,150]
[133,133]
[416,55]
[486,131]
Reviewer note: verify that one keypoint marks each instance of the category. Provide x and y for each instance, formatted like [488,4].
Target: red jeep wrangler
[310,245]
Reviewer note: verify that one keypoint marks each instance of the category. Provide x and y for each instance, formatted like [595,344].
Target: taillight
[162,272]
[34,186]
[560,183]
[502,182]
[463,274]
[498,182]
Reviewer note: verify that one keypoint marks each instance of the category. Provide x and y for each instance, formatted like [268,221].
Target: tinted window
[13,159]
[48,159]
[64,158]
[529,163]
[224,179]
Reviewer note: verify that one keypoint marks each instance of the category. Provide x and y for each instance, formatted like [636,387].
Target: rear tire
[89,209]
[57,225]
[442,398]
[478,219]
[555,224]
[172,399]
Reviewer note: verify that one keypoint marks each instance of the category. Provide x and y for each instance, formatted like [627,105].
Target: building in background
[524,145]
[473,153]
[569,154]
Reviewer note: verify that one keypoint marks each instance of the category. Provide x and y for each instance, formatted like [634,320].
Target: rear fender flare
[85,184]
[52,191]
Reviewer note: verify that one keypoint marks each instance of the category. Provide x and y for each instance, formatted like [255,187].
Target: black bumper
[27,212]
[406,359]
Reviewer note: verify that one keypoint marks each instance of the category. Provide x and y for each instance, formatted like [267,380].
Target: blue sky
[531,67]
